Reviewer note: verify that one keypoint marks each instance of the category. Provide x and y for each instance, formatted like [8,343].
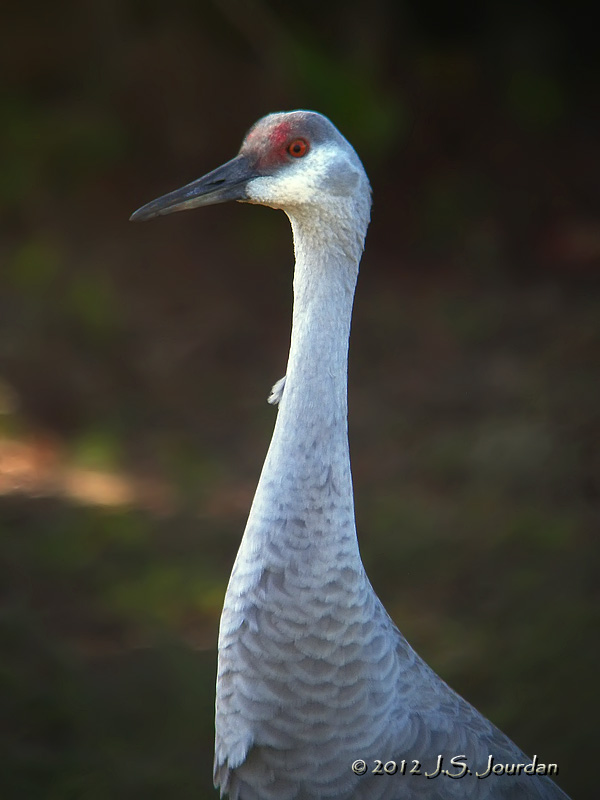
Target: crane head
[288,160]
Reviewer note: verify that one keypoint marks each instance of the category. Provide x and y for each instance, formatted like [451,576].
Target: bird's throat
[306,483]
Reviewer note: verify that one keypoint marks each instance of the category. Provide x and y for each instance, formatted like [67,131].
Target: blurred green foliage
[53,145]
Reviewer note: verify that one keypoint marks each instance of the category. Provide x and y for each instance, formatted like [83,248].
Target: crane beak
[227,182]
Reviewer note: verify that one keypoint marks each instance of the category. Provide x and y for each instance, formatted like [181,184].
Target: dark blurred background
[135,361]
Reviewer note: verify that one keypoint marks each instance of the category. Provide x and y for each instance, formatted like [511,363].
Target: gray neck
[305,489]
[311,433]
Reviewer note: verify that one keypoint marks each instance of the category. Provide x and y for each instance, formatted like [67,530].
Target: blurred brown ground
[135,362]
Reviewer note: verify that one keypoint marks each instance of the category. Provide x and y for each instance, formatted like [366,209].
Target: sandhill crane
[318,693]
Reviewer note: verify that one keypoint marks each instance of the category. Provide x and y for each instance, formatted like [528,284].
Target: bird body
[313,675]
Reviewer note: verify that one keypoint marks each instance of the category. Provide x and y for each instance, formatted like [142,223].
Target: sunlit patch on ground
[38,467]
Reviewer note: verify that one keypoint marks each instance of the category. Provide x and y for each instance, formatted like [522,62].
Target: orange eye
[298,148]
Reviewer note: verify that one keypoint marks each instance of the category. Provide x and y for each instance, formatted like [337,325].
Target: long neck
[305,489]
[311,433]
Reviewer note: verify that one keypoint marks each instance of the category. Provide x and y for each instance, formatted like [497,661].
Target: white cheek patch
[325,171]
[288,187]
[260,190]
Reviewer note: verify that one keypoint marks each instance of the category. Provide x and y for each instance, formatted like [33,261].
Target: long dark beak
[227,182]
